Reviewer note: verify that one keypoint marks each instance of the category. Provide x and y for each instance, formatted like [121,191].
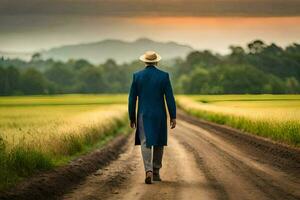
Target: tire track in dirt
[232,165]
[218,187]
[281,156]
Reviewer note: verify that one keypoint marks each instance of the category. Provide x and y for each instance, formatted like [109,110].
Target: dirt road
[201,162]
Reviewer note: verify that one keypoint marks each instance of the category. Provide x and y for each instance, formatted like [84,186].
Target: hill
[120,51]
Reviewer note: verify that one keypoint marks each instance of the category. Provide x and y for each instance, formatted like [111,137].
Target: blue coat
[150,86]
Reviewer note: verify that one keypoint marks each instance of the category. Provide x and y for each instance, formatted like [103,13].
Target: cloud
[152,7]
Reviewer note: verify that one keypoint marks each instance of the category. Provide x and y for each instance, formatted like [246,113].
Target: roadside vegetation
[41,132]
[273,116]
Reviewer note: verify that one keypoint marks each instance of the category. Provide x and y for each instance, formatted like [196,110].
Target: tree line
[258,68]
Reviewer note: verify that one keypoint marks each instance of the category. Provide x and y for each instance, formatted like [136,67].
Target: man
[151,87]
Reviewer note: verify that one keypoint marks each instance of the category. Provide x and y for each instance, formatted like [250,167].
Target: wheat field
[41,132]
[273,116]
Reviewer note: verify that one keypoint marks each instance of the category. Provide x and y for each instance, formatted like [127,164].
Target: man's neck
[150,65]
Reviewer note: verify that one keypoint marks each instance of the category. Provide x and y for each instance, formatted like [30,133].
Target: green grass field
[41,132]
[273,116]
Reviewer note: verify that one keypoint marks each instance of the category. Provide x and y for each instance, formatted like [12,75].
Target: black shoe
[156,177]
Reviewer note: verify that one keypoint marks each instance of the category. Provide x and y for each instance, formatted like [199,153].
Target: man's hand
[132,124]
[173,123]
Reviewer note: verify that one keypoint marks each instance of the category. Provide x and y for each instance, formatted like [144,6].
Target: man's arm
[170,101]
[132,103]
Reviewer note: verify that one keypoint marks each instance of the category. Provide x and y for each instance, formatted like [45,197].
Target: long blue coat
[150,86]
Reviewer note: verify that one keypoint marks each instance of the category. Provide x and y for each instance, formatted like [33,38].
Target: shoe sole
[148,180]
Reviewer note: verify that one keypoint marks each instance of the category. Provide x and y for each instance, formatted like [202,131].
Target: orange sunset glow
[202,24]
[215,21]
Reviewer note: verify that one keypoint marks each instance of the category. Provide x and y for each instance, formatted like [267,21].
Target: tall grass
[276,119]
[40,137]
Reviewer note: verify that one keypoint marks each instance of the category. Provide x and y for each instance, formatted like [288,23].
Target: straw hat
[150,57]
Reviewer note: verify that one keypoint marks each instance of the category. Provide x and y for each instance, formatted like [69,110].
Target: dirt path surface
[202,161]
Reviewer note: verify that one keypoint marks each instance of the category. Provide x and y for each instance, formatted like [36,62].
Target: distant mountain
[120,51]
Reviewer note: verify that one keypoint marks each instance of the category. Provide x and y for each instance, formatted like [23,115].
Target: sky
[32,25]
